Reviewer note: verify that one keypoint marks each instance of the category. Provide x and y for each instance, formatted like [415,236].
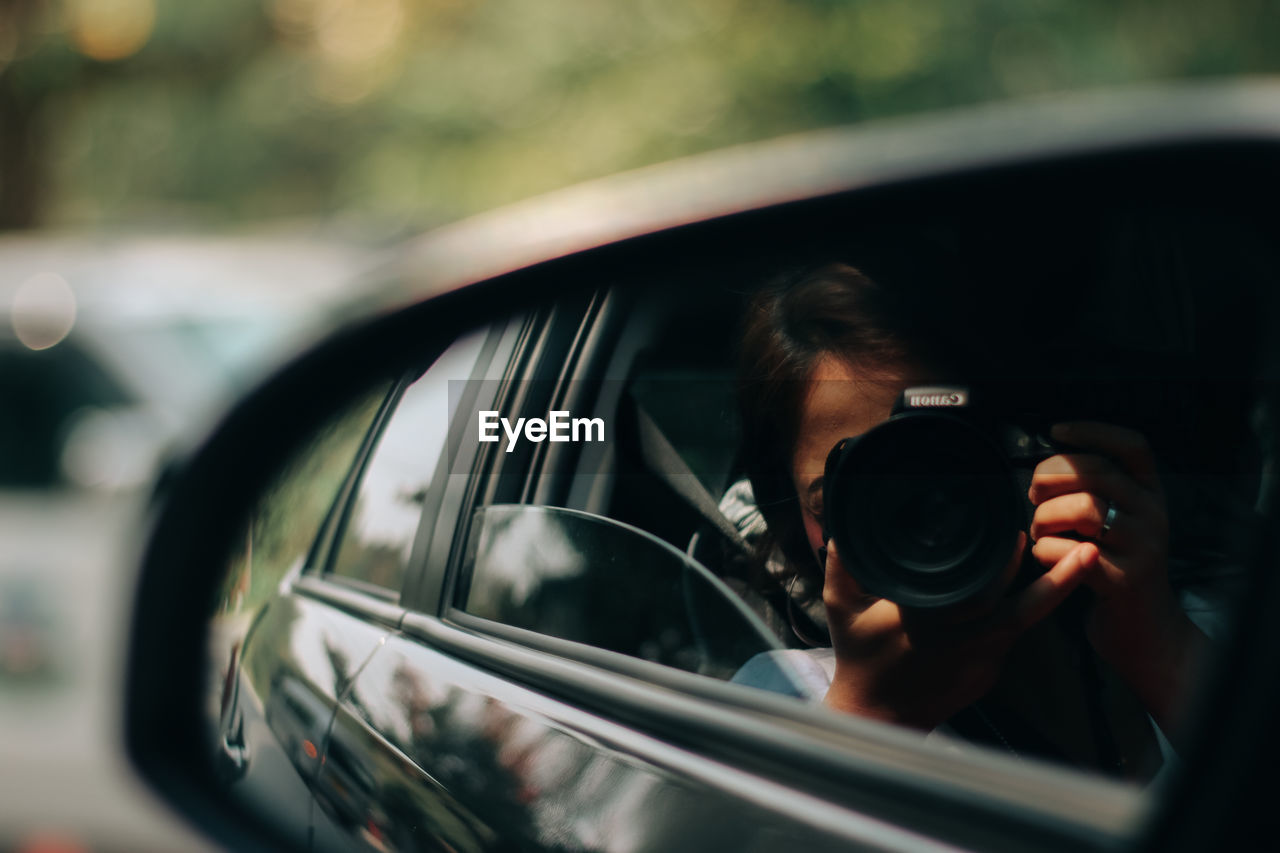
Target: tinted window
[381,524]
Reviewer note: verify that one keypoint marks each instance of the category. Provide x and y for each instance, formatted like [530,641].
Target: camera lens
[927,521]
[925,507]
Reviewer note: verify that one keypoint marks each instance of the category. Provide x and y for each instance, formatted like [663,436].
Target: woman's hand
[1134,623]
[898,666]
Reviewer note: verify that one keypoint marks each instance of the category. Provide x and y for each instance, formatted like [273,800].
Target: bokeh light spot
[358,31]
[51,842]
[43,311]
[109,30]
[8,43]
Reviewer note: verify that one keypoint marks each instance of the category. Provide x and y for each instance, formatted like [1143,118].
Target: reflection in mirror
[991,481]
[270,709]
[283,527]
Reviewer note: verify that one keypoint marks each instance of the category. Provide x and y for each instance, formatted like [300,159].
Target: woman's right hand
[897,666]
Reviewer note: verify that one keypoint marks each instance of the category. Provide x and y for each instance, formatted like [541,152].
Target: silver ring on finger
[1108,519]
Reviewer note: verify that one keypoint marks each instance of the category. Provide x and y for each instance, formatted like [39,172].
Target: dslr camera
[926,507]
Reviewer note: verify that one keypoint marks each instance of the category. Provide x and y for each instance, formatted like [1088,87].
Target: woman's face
[841,401]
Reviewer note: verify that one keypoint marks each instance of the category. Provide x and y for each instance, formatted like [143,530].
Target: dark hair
[833,309]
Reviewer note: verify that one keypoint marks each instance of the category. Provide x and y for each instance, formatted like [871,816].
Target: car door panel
[446,755]
[301,656]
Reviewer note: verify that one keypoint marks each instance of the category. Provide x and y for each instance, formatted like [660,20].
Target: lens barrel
[924,509]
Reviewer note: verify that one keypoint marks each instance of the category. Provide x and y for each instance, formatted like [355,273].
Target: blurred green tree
[406,113]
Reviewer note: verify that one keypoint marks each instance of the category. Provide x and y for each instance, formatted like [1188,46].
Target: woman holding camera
[825,357]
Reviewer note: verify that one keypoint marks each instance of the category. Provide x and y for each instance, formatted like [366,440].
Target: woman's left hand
[1135,623]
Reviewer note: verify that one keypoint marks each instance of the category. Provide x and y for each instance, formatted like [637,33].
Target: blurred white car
[110,350]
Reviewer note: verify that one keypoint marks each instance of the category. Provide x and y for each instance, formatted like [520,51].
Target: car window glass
[380,526]
[581,577]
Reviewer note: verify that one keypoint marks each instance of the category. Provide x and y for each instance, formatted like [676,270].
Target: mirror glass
[1025,451]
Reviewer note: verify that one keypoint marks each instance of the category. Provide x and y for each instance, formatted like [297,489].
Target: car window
[581,577]
[578,573]
[378,531]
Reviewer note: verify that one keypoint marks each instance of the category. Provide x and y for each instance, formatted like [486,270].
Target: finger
[1080,512]
[1081,472]
[1049,590]
[1126,446]
[1101,578]
[1050,549]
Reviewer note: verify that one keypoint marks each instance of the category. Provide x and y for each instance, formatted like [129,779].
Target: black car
[472,579]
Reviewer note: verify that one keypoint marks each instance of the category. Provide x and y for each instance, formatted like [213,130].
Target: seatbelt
[661,459]
[666,463]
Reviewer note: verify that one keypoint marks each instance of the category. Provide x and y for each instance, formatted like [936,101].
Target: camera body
[926,507]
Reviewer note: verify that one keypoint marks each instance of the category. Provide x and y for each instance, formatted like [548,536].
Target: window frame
[528,346]
[351,594]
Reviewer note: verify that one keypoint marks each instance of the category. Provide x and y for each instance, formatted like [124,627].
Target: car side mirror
[517,627]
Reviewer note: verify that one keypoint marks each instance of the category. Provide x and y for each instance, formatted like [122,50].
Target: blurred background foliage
[401,114]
